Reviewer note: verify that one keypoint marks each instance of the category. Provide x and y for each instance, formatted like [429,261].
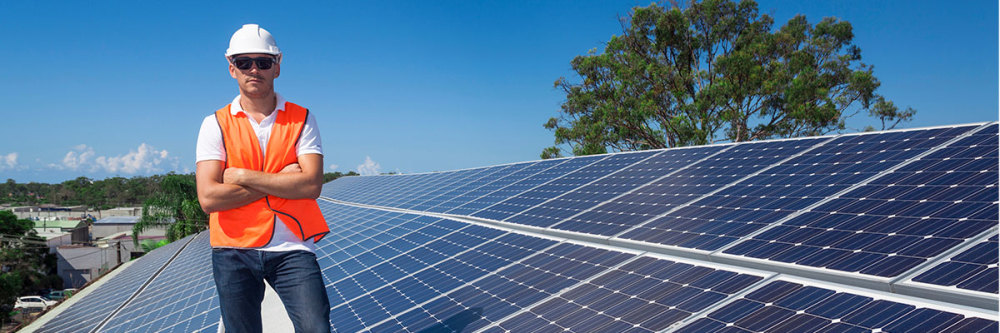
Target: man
[260,170]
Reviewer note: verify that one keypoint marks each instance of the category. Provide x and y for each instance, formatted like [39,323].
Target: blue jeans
[294,275]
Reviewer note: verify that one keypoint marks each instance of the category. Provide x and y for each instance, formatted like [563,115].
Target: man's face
[255,82]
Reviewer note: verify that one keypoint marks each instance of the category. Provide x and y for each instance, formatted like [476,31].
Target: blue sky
[101,89]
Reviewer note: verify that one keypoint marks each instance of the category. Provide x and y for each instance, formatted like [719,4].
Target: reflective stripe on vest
[252,225]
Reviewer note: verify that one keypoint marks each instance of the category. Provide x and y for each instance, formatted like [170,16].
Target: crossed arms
[221,189]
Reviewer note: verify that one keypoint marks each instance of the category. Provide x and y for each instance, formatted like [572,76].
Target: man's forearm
[219,197]
[293,185]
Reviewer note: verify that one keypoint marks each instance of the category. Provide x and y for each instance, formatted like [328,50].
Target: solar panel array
[891,231]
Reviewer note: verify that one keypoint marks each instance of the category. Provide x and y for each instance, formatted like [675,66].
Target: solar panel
[182,298]
[973,269]
[888,231]
[681,183]
[625,175]
[881,227]
[88,312]
[789,306]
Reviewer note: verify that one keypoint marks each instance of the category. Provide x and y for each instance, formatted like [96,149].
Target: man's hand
[235,176]
[302,180]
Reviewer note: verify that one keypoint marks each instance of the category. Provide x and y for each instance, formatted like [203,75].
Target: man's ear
[232,70]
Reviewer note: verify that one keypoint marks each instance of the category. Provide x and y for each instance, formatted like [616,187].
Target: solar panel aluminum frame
[852,278]
[765,275]
[906,285]
[968,311]
[591,182]
[471,283]
[623,193]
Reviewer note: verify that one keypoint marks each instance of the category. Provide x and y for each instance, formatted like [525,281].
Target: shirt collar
[235,108]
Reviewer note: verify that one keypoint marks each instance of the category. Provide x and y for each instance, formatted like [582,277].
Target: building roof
[119,220]
[58,224]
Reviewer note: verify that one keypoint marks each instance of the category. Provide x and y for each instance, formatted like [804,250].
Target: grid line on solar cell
[680,206]
[421,285]
[557,294]
[111,296]
[460,177]
[783,306]
[471,283]
[485,187]
[723,303]
[495,190]
[395,248]
[668,160]
[502,209]
[630,160]
[779,223]
[799,182]
[972,266]
[505,290]
[355,282]
[618,214]
[363,254]
[643,294]
[442,183]
[487,176]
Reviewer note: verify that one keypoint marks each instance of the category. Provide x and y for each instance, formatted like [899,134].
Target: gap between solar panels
[941,296]
[144,285]
[768,277]
[850,278]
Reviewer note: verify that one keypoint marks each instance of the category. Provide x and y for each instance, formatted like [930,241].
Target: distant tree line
[98,194]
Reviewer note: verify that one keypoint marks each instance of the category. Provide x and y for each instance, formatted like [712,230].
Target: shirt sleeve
[210,146]
[309,141]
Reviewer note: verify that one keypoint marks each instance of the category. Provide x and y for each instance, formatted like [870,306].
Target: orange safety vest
[252,225]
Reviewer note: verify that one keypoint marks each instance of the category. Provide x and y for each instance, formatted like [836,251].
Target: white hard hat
[251,38]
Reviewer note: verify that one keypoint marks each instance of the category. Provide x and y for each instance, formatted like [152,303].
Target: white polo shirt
[211,147]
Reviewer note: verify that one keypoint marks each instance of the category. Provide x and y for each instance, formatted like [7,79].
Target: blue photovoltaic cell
[783,306]
[418,184]
[364,288]
[182,298]
[488,184]
[713,220]
[496,294]
[644,295]
[628,176]
[497,191]
[643,202]
[972,269]
[487,176]
[532,190]
[548,205]
[898,220]
[447,182]
[86,313]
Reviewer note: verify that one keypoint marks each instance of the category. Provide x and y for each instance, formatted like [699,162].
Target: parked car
[33,302]
[57,295]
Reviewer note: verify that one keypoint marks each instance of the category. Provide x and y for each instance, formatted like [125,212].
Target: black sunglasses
[244,63]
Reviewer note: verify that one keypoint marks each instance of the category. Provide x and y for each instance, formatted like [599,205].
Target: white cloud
[145,159]
[8,161]
[333,167]
[80,157]
[369,168]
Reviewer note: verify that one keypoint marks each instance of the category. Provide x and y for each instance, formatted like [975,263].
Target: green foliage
[97,194]
[25,263]
[150,245]
[327,177]
[715,71]
[175,207]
